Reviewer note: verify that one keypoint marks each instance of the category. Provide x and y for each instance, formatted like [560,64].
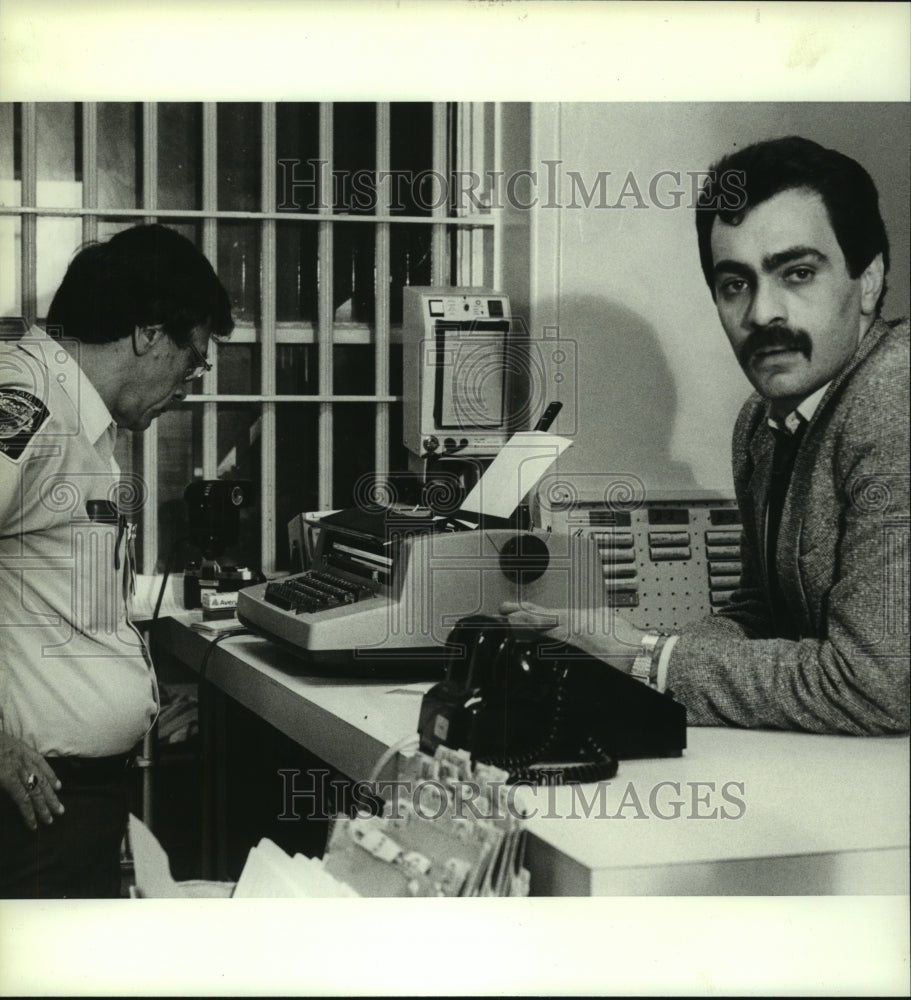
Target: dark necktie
[786,446]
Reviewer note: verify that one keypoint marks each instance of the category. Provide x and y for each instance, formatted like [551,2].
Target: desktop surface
[742,811]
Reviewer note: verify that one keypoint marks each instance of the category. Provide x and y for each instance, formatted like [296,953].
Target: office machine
[386,588]
[663,562]
[666,560]
[464,371]
[213,514]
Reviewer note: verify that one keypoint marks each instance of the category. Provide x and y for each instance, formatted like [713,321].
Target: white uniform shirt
[74,679]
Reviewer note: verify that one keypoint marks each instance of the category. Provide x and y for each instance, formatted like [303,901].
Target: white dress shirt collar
[803,413]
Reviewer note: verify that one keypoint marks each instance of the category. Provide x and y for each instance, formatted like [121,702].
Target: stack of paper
[152,871]
[178,719]
[218,626]
[270,873]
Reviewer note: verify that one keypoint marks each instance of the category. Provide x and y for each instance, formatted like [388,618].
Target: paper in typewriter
[514,472]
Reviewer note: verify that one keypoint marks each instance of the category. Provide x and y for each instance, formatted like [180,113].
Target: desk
[742,812]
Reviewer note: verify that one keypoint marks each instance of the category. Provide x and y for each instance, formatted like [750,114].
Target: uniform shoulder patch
[21,415]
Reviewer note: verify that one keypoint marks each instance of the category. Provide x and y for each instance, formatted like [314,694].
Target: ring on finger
[31,781]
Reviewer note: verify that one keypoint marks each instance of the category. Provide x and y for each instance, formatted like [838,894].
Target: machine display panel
[470,365]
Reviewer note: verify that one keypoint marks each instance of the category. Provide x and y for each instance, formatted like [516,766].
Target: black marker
[548,416]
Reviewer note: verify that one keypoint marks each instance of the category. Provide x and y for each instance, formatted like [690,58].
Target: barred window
[315,216]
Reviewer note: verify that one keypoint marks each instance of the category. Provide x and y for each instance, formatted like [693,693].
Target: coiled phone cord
[526,768]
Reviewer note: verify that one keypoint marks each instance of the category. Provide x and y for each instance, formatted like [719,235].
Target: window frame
[465,136]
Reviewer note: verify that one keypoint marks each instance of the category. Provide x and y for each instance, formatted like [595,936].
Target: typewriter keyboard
[314,591]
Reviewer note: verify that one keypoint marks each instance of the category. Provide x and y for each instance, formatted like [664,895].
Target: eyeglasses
[200,368]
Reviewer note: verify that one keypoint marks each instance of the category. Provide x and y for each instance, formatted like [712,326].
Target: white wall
[658,388]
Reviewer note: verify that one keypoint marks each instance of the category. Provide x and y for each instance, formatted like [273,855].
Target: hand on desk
[612,639]
[29,781]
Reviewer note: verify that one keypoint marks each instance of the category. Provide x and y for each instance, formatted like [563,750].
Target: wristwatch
[645,666]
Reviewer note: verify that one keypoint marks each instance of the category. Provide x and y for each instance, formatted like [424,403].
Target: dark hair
[750,176]
[144,276]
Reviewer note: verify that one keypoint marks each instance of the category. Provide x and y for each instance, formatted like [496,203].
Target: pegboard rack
[666,562]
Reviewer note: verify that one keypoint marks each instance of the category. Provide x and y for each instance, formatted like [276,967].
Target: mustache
[765,338]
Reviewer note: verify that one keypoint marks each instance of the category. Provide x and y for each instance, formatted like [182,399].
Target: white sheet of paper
[516,470]
[150,864]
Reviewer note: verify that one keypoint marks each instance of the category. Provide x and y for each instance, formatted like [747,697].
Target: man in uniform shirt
[127,331]
[816,635]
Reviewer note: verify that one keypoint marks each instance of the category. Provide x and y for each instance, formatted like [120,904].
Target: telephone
[545,711]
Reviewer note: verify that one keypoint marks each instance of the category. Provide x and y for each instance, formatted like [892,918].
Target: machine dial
[524,558]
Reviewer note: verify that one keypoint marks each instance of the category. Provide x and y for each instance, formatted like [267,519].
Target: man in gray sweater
[815,638]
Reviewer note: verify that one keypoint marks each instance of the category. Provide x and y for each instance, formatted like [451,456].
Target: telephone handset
[543,710]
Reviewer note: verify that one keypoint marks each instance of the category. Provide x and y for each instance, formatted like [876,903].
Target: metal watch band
[645,665]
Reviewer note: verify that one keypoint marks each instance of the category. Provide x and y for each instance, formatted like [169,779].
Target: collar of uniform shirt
[802,414]
[95,417]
